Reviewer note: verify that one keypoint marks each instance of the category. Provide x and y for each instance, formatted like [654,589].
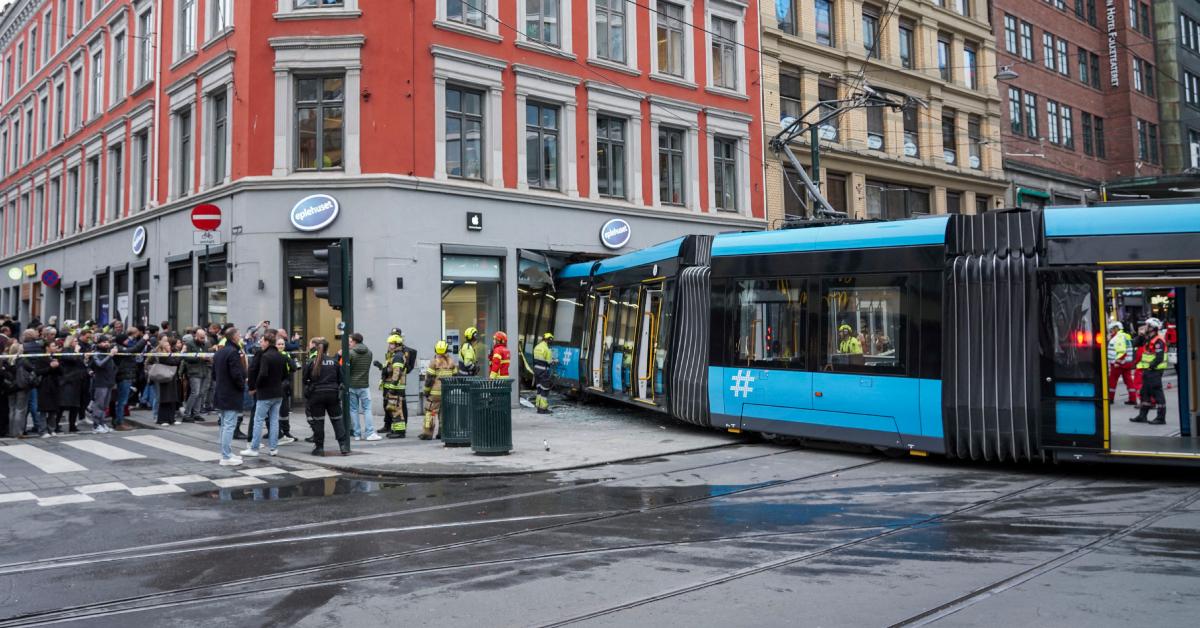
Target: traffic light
[332,275]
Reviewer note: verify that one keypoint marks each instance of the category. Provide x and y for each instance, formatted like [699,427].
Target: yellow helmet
[441,347]
[470,333]
[845,328]
[395,339]
[547,336]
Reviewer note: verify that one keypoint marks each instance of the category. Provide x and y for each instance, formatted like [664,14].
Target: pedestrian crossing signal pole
[347,299]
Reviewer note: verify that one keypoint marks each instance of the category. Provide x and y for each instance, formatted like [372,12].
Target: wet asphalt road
[738,536]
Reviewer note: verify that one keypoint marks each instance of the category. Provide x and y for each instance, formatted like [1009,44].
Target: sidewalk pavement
[575,436]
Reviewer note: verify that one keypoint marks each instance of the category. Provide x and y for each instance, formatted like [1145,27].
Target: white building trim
[631,39]
[736,12]
[549,87]
[491,27]
[689,46]
[605,99]
[565,26]
[730,125]
[685,116]
[484,73]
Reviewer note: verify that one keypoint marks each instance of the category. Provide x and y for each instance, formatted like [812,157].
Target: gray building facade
[1177,29]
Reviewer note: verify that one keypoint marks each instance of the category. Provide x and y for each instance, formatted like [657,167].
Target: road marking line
[158,489]
[106,487]
[187,451]
[104,450]
[312,474]
[1,476]
[255,473]
[236,482]
[17,497]
[64,499]
[42,459]
[185,479]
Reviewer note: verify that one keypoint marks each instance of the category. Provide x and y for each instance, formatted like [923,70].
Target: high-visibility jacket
[468,361]
[850,344]
[499,362]
[395,371]
[1118,348]
[542,356]
[1154,358]
[440,367]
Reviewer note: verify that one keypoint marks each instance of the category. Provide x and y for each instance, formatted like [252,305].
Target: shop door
[307,315]
[648,327]
[472,296]
[600,340]
[1074,411]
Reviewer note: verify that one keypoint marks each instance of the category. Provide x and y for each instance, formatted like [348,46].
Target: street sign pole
[347,329]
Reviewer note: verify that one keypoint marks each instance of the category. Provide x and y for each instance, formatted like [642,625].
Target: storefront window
[121,288]
[179,301]
[214,292]
[103,307]
[70,309]
[85,302]
[471,297]
[141,296]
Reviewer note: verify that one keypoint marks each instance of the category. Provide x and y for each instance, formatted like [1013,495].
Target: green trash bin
[456,411]
[491,417]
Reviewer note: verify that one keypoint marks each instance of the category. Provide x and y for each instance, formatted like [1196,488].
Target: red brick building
[1083,109]
[548,118]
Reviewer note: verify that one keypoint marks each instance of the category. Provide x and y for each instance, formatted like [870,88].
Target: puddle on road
[322,487]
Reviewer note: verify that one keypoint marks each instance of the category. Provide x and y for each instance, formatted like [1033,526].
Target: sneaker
[374,437]
[286,440]
[173,422]
[46,435]
[253,453]
[98,429]
[357,437]
[273,452]
[230,462]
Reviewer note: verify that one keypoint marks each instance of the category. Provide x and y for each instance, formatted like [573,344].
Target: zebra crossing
[85,469]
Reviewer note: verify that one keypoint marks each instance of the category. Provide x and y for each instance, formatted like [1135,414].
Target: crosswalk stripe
[104,450]
[313,474]
[187,451]
[64,499]
[159,489]
[23,496]
[236,482]
[185,479]
[106,487]
[42,459]
[257,473]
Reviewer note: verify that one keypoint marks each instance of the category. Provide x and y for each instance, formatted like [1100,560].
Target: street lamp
[1006,73]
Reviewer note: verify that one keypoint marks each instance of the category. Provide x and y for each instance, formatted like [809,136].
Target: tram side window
[663,339]
[568,320]
[1075,344]
[864,327]
[769,323]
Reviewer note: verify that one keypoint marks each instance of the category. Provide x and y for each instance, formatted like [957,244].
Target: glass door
[600,340]
[1074,411]
[647,337]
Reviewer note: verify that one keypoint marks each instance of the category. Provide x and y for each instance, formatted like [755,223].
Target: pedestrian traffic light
[331,274]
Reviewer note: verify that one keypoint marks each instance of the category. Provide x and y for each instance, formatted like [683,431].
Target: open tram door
[1074,410]
[598,320]
[647,341]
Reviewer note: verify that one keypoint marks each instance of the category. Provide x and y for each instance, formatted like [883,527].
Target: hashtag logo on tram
[741,384]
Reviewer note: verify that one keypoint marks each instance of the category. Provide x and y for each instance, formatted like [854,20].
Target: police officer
[543,359]
[501,357]
[1152,365]
[848,343]
[395,370]
[1120,362]
[468,361]
[322,385]
[440,367]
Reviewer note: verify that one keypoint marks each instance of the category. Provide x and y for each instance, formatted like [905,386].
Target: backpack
[26,378]
[410,359]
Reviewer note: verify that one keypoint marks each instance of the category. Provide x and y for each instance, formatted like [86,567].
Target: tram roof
[648,255]
[1122,220]
[573,271]
[867,235]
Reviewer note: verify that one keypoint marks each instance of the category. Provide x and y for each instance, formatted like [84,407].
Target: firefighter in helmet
[395,369]
[440,367]
[543,360]
[468,360]
[501,357]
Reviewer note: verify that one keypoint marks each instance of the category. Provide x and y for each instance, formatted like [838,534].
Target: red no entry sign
[206,217]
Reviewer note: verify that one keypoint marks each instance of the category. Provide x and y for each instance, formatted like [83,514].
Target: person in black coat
[72,384]
[322,388]
[48,400]
[267,375]
[229,387]
[168,392]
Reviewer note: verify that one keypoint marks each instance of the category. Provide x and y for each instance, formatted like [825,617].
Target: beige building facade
[940,156]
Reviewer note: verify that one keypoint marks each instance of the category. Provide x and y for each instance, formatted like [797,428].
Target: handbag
[160,373]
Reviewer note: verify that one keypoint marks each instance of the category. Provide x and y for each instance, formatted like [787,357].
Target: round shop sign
[615,233]
[15,273]
[139,240]
[315,212]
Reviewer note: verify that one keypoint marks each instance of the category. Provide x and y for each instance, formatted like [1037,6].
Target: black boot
[1141,417]
[1160,418]
[318,437]
[237,431]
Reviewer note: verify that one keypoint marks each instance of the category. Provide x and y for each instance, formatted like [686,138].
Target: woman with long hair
[322,388]
[168,391]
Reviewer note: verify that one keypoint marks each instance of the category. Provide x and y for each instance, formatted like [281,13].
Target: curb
[400,474]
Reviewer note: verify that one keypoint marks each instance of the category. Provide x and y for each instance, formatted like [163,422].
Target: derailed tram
[975,337]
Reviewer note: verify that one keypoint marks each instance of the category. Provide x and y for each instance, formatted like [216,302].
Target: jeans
[99,405]
[18,407]
[123,389]
[150,397]
[263,409]
[360,404]
[196,386]
[228,420]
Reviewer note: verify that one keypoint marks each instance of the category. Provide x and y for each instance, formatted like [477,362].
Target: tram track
[983,593]
[230,541]
[99,609]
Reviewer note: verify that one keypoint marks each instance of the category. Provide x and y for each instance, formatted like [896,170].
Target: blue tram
[977,337]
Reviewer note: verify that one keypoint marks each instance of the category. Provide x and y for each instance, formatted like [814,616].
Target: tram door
[597,344]
[647,340]
[1074,412]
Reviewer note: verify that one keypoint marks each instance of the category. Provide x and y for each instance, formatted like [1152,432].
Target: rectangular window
[1031,115]
[725,173]
[39,212]
[1083,67]
[875,128]
[34,62]
[541,21]
[1091,12]
[1094,61]
[541,145]
[96,89]
[912,137]
[963,7]
[43,123]
[20,64]
[970,64]
[63,33]
[93,191]
[1027,41]
[953,202]
[320,110]
[610,156]
[864,326]
[116,180]
[60,106]
[54,210]
[827,93]
[1099,122]
[1014,110]
[218,109]
[47,36]
[468,12]
[950,137]
[823,21]
[1191,88]
[1139,81]
[222,16]
[1152,140]
[28,147]
[1048,51]
[870,30]
[1088,144]
[1064,66]
[1143,143]
[1010,34]
[141,169]
[943,57]
[23,230]
[144,60]
[80,7]
[76,99]
[1052,122]
[1145,22]
[464,133]
[118,75]
[71,222]
[3,150]
[610,30]
[975,141]
[790,98]
[724,53]
[1066,116]
[670,38]
[907,49]
[185,28]
[769,324]
[183,152]
[785,15]
[670,166]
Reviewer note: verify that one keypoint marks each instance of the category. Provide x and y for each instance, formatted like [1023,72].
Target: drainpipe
[158,96]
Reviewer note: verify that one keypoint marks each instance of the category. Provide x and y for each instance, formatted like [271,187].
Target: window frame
[628,25]
[731,47]
[800,315]
[185,26]
[463,118]
[543,134]
[673,174]
[825,36]
[725,166]
[559,32]
[320,105]
[904,287]
[658,20]
[608,122]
